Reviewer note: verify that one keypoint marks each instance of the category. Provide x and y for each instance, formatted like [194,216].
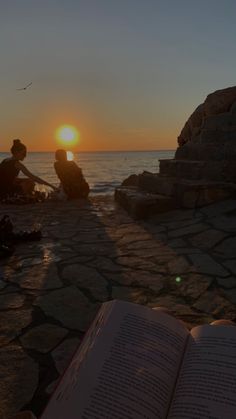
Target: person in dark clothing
[72,180]
[10,183]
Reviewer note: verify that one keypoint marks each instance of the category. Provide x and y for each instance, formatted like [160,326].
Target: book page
[206,386]
[126,368]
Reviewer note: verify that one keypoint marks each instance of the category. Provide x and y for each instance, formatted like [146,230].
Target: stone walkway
[93,252]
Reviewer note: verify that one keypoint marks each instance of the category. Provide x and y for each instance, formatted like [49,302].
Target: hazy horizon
[95,151]
[127,75]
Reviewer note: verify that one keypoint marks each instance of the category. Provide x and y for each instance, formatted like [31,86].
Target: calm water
[103,170]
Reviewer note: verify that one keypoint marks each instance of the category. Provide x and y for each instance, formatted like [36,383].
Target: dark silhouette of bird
[26,87]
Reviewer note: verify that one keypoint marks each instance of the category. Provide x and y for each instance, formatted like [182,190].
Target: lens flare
[178,279]
[67,135]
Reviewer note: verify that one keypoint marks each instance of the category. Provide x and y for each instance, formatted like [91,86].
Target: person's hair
[17,147]
[60,155]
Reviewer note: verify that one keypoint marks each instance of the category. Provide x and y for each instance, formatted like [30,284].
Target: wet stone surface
[92,252]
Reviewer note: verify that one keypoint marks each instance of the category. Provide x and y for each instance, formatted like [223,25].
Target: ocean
[104,171]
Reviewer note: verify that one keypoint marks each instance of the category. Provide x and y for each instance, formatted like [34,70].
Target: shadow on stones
[192,247]
[92,252]
[51,290]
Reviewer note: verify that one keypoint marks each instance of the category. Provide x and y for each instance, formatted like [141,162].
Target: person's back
[8,175]
[71,177]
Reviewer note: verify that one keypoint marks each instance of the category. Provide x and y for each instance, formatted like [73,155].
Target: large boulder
[213,123]
[203,170]
[220,101]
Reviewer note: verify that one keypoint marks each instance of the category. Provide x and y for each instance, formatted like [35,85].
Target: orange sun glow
[67,135]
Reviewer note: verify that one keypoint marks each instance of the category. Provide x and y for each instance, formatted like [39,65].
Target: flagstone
[208,239]
[227,247]
[11,300]
[229,282]
[12,323]
[43,338]
[69,306]
[191,229]
[178,265]
[19,376]
[213,303]
[192,285]
[86,278]
[231,295]
[134,295]
[205,264]
[62,355]
[138,262]
[42,277]
[51,290]
[231,265]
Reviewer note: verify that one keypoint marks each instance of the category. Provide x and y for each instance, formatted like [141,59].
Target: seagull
[26,87]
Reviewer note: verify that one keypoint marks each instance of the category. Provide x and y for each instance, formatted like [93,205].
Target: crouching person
[70,174]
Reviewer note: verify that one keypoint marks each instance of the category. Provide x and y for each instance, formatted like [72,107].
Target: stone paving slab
[92,252]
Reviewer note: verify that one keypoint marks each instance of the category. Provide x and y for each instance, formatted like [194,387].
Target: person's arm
[30,175]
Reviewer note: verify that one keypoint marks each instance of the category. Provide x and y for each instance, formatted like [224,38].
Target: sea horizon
[97,151]
[103,170]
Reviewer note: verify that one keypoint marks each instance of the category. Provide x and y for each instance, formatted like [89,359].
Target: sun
[67,135]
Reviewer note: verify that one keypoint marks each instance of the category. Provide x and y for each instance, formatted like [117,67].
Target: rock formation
[203,170]
[211,129]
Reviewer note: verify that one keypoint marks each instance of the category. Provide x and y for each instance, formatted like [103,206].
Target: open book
[138,363]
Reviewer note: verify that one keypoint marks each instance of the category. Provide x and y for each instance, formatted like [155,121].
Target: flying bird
[26,87]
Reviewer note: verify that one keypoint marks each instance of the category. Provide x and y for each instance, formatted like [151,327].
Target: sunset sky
[125,73]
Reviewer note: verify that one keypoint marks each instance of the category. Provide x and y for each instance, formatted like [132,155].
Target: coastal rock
[203,169]
[220,101]
[142,204]
[192,125]
[131,180]
[216,103]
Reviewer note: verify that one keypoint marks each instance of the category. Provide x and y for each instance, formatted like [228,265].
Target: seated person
[10,168]
[72,180]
